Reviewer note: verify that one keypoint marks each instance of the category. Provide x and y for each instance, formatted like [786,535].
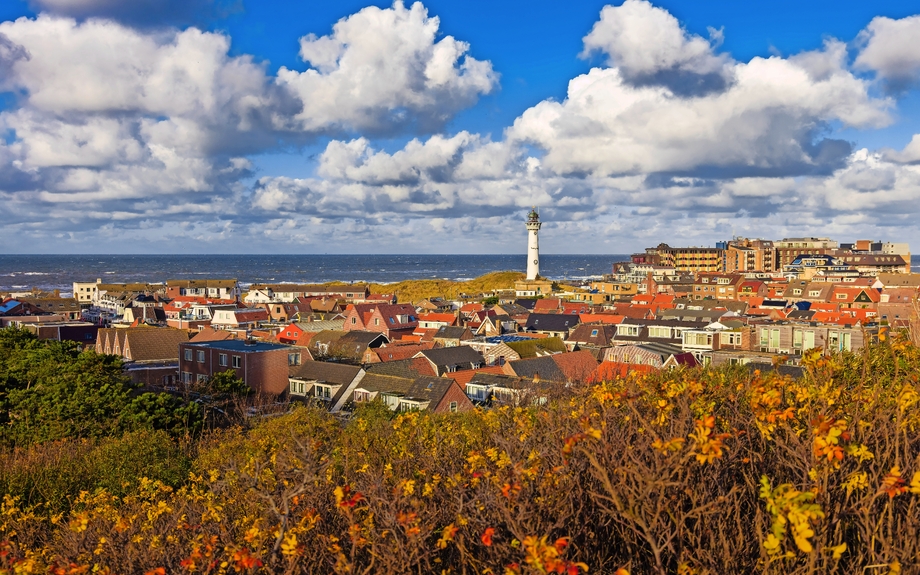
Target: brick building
[262,366]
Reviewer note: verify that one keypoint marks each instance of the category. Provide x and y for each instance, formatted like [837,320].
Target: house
[394,321]
[449,359]
[576,366]
[450,336]
[555,325]
[536,347]
[493,325]
[82,332]
[591,335]
[66,307]
[213,288]
[388,389]
[271,293]
[547,305]
[657,355]
[717,286]
[495,350]
[262,366]
[294,332]
[536,369]
[786,338]
[393,352]
[151,354]
[435,394]
[329,384]
[896,305]
[347,346]
[284,312]
[410,368]
[855,297]
[247,318]
[434,320]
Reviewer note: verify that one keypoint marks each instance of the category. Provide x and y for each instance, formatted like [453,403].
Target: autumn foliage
[692,471]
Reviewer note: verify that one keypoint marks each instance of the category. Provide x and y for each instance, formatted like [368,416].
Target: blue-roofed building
[262,366]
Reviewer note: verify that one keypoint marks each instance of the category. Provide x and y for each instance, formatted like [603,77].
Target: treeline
[691,471]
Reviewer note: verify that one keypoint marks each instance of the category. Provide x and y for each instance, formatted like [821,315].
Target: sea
[49,272]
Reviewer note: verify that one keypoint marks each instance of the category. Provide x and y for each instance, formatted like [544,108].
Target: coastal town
[751,302]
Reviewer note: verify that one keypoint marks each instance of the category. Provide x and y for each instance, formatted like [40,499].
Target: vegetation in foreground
[701,471]
[409,291]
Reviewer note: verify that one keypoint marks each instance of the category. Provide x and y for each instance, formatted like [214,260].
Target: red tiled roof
[546,305]
[608,318]
[609,370]
[576,365]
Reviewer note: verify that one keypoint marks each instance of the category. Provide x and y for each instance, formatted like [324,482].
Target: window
[186,377]
[354,320]
[376,321]
[322,392]
[201,378]
[698,339]
[293,359]
[841,296]
[453,406]
[593,333]
[630,330]
[658,331]
[297,387]
[730,338]
[222,360]
[200,356]
[362,396]
[188,355]
[237,361]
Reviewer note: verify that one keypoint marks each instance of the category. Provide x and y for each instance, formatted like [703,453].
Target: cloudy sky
[235,126]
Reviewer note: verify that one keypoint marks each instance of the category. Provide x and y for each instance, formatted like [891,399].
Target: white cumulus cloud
[386,68]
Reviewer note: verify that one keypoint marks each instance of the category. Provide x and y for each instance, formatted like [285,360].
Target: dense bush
[52,390]
[48,477]
[692,471]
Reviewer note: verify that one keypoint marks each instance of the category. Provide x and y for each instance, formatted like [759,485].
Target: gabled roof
[364,339]
[409,368]
[446,357]
[597,335]
[375,382]
[451,332]
[153,343]
[211,334]
[576,365]
[430,389]
[551,322]
[333,373]
[543,367]
[547,305]
[316,326]
[465,376]
[608,318]
[532,347]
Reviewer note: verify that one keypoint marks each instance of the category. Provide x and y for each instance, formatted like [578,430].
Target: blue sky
[171,126]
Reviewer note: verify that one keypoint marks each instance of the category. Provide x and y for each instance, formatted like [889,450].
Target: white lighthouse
[533,244]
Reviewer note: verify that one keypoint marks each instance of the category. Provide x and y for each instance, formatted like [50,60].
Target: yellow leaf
[839,550]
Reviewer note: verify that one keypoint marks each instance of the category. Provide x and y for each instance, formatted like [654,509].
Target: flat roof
[240,345]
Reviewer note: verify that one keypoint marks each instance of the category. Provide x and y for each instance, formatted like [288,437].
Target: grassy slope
[411,291]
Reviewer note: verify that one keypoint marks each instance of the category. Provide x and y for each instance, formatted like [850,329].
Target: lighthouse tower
[533,244]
